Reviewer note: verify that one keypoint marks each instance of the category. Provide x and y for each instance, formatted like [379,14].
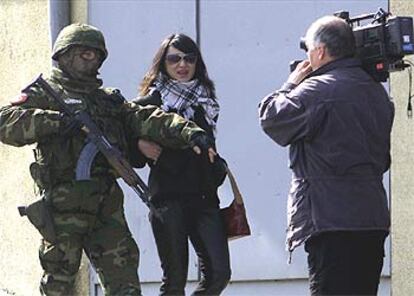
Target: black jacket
[182,173]
[338,124]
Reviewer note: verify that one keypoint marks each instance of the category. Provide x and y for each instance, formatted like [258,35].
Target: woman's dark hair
[186,45]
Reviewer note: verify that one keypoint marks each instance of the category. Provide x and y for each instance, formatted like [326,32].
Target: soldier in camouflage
[87,215]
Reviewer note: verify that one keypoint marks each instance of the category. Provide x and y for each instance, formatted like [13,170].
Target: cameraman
[337,121]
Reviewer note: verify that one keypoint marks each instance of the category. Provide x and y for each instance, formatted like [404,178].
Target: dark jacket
[338,124]
[180,173]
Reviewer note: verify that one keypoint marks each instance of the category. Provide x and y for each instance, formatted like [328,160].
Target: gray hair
[333,32]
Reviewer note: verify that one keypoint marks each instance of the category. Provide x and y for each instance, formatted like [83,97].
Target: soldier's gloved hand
[201,143]
[69,126]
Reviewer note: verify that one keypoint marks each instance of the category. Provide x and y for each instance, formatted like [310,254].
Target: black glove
[153,98]
[69,126]
[202,141]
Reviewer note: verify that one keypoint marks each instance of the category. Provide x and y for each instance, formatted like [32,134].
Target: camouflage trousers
[89,217]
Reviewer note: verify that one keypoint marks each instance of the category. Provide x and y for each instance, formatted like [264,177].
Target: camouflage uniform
[88,215]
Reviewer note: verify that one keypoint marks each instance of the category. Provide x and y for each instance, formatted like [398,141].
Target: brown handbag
[234,216]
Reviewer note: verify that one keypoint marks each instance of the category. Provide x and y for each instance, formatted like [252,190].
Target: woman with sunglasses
[178,82]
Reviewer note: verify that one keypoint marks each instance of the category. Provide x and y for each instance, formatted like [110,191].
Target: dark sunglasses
[189,58]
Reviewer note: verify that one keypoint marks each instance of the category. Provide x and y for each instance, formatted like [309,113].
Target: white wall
[247,46]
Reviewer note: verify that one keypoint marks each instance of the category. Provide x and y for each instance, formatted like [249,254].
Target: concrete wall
[402,185]
[24,52]
[247,59]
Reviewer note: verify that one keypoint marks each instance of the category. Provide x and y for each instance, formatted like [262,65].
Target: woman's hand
[150,149]
[210,151]
[201,143]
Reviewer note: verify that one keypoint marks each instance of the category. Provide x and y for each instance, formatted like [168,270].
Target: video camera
[381,44]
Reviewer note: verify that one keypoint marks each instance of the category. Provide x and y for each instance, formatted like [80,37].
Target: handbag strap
[236,192]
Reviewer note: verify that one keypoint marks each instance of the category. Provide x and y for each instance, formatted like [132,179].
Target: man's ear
[322,52]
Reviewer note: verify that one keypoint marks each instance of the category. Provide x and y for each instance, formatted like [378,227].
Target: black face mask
[81,62]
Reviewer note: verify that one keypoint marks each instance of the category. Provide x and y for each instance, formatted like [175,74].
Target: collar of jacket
[335,64]
[75,85]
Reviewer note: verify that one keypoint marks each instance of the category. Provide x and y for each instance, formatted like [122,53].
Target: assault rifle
[97,142]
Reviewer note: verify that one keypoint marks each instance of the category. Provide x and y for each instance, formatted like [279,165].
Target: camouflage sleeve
[167,129]
[27,120]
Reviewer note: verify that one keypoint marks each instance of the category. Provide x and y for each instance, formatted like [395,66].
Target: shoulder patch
[20,99]
[114,95]
[117,97]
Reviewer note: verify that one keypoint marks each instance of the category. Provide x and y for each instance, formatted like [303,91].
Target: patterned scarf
[183,97]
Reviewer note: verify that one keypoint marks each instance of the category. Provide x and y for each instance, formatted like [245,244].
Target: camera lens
[302,44]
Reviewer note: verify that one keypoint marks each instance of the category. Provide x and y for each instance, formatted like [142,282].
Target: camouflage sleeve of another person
[27,120]
[167,129]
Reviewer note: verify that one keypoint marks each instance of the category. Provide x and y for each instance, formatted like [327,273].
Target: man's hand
[201,143]
[150,149]
[302,70]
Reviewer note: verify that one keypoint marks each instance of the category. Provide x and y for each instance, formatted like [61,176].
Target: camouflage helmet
[79,34]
